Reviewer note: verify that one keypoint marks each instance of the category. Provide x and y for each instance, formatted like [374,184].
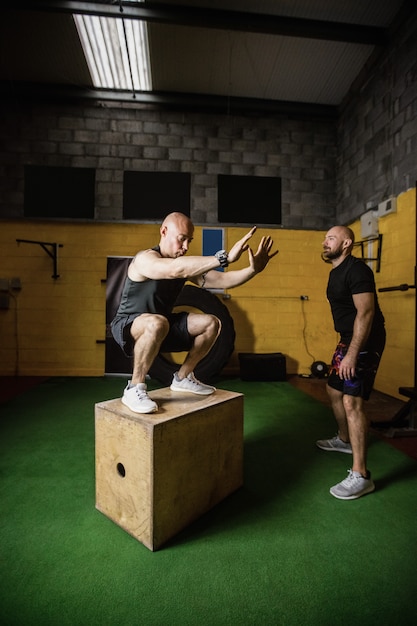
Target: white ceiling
[263,54]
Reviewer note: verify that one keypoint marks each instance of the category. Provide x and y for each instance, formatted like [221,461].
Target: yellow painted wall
[269,315]
[52,326]
[397,267]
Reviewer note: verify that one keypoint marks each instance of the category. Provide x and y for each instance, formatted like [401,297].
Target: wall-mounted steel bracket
[51,250]
[362,243]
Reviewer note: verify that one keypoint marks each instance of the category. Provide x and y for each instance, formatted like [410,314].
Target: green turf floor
[280,551]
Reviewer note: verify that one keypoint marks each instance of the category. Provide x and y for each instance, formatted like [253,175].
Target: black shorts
[177,340]
[366,368]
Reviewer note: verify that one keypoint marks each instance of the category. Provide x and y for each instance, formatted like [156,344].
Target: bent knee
[203,324]
[155,325]
[215,324]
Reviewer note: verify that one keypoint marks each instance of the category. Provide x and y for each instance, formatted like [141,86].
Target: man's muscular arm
[365,307]
[149,264]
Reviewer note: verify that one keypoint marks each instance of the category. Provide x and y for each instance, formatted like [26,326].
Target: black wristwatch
[222,257]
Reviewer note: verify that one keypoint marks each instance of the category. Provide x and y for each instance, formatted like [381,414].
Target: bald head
[177,219]
[344,232]
[338,243]
[176,234]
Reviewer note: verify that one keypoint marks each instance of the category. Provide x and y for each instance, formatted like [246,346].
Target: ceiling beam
[14,91]
[217,18]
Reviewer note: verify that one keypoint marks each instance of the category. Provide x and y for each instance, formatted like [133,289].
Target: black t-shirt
[351,277]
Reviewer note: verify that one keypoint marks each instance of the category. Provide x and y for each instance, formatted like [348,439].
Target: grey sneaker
[334,445]
[137,400]
[354,486]
[191,385]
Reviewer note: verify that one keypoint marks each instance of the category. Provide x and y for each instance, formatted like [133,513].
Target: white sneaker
[334,445]
[137,400]
[354,486]
[191,385]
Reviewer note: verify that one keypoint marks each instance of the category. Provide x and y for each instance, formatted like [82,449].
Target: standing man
[359,321]
[144,324]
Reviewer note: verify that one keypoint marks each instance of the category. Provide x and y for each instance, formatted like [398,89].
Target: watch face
[222,256]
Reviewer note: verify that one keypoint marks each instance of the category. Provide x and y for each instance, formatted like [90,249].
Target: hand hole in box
[121,470]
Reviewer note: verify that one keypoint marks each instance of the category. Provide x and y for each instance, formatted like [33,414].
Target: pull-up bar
[52,253]
[402,287]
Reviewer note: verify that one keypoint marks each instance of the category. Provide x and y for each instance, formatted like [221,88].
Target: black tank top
[149,296]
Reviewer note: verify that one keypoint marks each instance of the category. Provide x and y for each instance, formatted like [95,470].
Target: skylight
[117,52]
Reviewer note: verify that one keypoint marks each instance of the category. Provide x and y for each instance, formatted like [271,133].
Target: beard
[328,256]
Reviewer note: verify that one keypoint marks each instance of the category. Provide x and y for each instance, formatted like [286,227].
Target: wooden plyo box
[157,473]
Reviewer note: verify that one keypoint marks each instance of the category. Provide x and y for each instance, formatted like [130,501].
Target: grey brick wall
[331,171]
[114,139]
[377,131]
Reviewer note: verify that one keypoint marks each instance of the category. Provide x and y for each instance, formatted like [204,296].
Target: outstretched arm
[150,264]
[234,278]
